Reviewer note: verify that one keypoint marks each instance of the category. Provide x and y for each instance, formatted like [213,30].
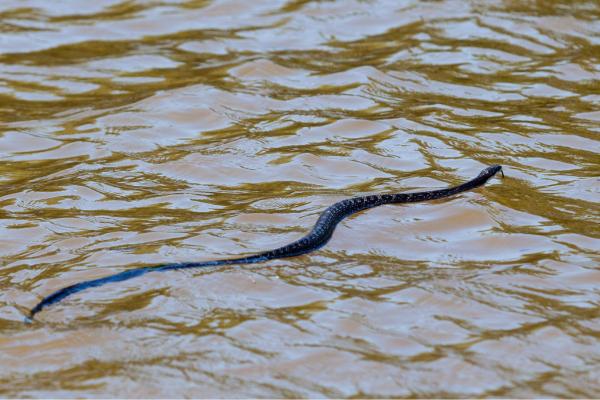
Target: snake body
[318,236]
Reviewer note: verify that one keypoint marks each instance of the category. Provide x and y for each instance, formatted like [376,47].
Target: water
[139,132]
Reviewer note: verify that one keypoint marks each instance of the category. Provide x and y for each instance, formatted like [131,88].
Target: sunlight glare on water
[137,132]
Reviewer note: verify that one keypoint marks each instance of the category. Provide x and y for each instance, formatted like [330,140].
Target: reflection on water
[140,132]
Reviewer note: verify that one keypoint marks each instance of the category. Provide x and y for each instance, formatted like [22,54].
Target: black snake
[318,236]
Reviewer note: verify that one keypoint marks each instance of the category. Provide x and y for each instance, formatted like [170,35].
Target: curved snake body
[318,236]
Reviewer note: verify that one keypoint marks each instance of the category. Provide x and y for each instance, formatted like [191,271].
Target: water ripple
[135,133]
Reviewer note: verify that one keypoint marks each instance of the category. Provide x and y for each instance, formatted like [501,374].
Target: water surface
[140,132]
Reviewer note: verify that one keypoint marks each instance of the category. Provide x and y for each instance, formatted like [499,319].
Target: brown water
[141,132]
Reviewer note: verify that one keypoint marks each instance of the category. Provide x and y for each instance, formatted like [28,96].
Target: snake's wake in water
[318,236]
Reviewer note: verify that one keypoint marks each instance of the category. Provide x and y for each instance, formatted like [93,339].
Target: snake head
[491,171]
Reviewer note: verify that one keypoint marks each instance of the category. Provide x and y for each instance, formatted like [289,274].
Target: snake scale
[318,237]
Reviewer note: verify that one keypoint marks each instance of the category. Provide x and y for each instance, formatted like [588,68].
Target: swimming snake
[318,237]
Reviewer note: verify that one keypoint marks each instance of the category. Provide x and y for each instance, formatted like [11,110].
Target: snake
[315,239]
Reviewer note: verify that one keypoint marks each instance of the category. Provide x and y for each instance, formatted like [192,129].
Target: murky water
[140,132]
